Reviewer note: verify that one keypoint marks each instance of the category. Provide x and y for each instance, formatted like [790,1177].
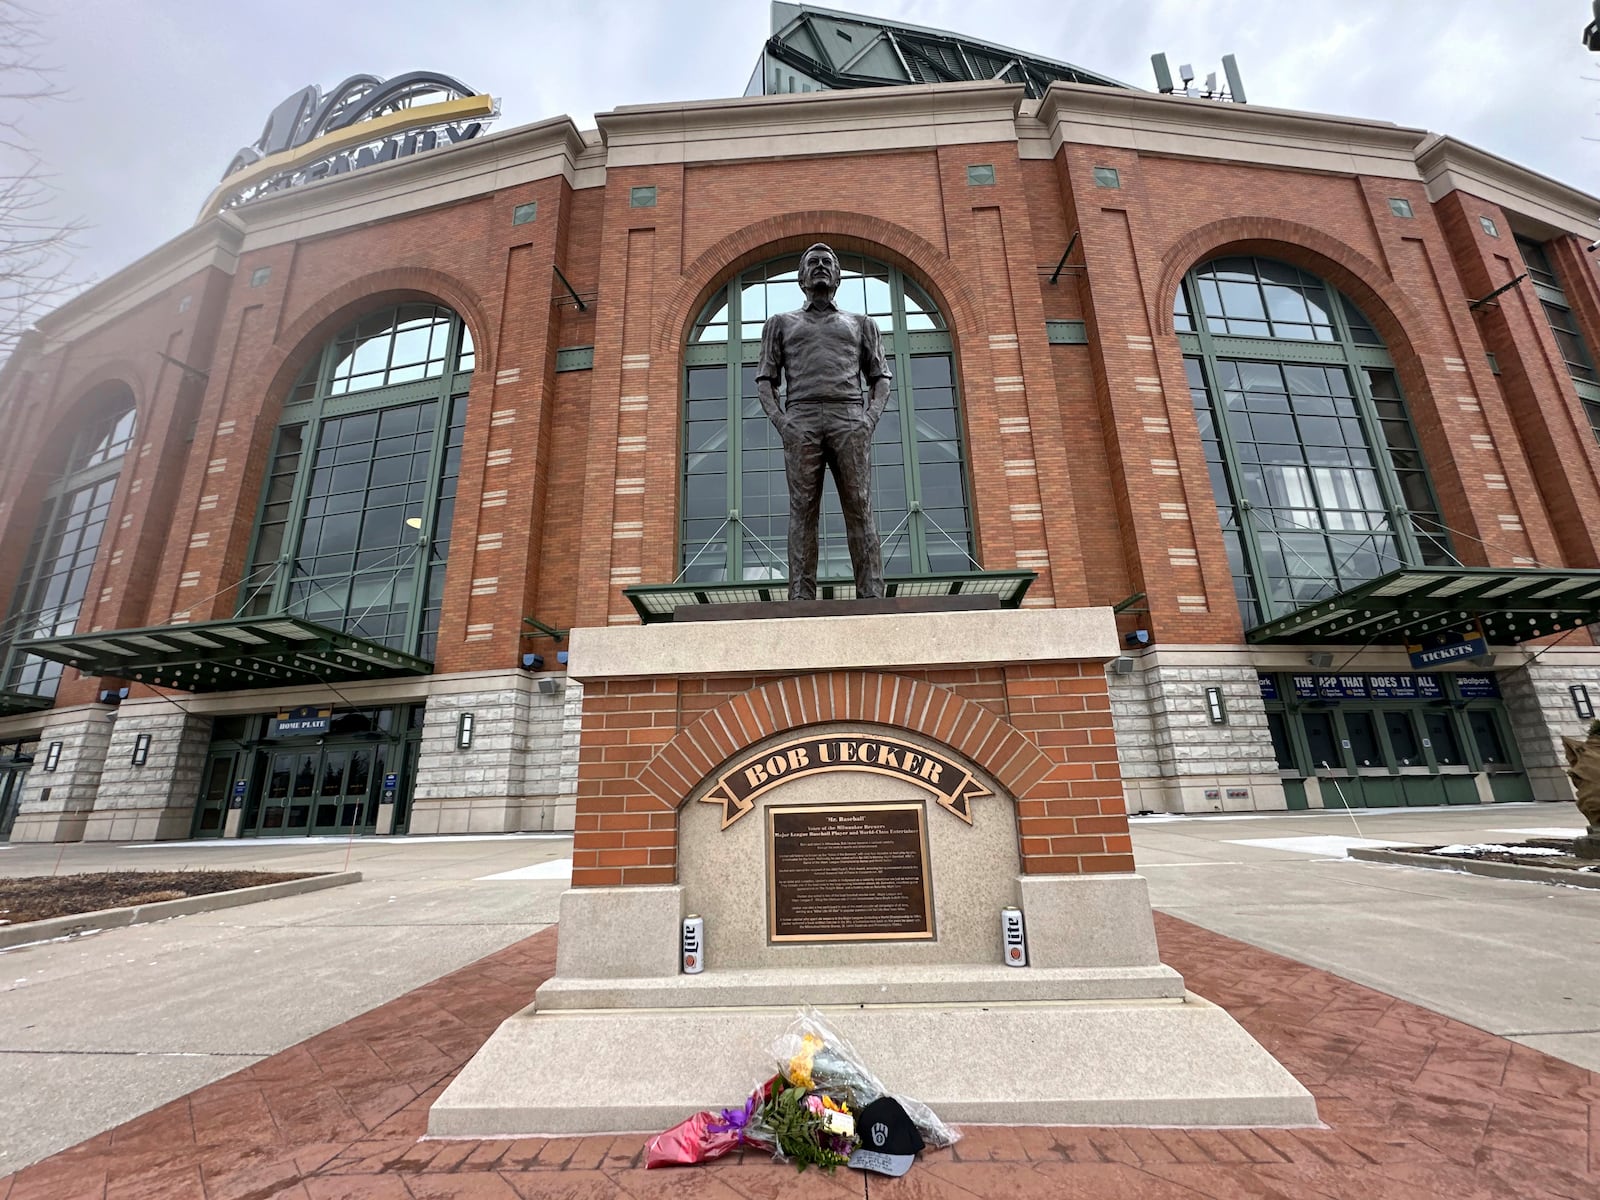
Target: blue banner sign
[1449,647]
[1405,687]
[1366,687]
[1269,685]
[303,721]
[1478,687]
[1330,687]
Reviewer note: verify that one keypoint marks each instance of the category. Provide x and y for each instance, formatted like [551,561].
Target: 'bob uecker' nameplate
[747,777]
[848,873]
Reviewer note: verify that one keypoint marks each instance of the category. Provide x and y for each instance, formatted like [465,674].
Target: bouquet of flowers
[805,1127]
[811,1054]
[805,1113]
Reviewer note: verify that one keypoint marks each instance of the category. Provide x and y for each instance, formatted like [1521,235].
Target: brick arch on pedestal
[846,232]
[1054,752]
[846,696]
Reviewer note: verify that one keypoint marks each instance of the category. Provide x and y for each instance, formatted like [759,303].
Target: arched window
[354,527]
[1315,465]
[48,597]
[735,503]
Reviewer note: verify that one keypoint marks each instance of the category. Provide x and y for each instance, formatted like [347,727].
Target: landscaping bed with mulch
[40,897]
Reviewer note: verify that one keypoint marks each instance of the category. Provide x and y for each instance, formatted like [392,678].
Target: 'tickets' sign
[951,784]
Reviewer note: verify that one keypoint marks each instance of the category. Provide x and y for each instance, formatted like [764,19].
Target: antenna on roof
[1232,91]
[1163,73]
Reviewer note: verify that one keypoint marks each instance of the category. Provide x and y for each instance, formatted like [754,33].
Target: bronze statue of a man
[823,354]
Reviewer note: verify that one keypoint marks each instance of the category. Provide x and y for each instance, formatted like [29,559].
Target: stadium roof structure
[817,49]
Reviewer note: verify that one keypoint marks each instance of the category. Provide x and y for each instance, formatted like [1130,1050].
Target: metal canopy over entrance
[232,655]
[655,602]
[1513,605]
[14,704]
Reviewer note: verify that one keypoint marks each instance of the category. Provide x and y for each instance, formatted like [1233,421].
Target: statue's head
[819,269]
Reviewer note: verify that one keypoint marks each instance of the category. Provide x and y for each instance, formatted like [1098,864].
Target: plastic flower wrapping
[805,1114]
[812,1054]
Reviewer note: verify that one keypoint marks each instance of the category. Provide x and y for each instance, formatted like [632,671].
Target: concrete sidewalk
[95,1030]
[1521,960]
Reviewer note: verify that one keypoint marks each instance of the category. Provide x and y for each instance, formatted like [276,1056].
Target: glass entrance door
[216,790]
[10,797]
[318,790]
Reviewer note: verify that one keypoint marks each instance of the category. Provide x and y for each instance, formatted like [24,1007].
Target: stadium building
[297,511]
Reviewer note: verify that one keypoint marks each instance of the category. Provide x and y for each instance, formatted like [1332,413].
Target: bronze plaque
[848,873]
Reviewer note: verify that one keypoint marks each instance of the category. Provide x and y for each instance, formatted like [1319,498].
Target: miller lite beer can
[1014,946]
[694,944]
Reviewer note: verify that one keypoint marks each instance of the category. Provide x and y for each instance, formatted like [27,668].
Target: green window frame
[1315,466]
[353,528]
[48,598]
[1563,322]
[734,500]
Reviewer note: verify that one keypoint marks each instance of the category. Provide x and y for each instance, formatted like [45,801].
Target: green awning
[656,602]
[1512,604]
[226,656]
[14,704]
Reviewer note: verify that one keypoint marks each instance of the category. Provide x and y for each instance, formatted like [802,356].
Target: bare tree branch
[36,245]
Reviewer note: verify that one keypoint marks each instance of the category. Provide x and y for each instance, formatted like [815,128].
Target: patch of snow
[560,868]
[1491,848]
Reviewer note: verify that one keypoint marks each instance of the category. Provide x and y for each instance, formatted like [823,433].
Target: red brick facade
[1042,732]
[1512,457]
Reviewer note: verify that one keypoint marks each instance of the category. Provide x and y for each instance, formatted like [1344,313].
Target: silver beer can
[694,944]
[1013,943]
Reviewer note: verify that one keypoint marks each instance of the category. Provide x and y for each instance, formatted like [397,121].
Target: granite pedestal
[1093,1030]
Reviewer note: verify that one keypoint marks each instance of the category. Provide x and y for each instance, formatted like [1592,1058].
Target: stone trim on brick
[1043,732]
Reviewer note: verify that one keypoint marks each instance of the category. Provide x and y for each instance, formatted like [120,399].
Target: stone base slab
[865,985]
[1206,793]
[1163,1062]
[138,824]
[49,827]
[491,814]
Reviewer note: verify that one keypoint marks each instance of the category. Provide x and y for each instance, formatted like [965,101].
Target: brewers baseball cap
[889,1141]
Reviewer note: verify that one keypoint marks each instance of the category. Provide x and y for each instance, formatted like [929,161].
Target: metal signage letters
[739,785]
[365,120]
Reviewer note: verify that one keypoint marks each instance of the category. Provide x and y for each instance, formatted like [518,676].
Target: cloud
[165,91]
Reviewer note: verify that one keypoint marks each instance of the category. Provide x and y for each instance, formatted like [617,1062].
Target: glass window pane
[1445,745]
[1486,735]
[1326,754]
[1403,739]
[916,447]
[1363,735]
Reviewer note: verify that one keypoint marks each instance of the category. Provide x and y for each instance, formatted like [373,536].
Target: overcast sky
[163,92]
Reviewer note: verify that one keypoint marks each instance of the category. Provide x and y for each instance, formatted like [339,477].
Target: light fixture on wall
[141,750]
[52,756]
[1321,660]
[464,731]
[1122,665]
[1216,707]
[548,685]
[1581,704]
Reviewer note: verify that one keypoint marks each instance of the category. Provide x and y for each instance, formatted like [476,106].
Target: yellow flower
[798,1071]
